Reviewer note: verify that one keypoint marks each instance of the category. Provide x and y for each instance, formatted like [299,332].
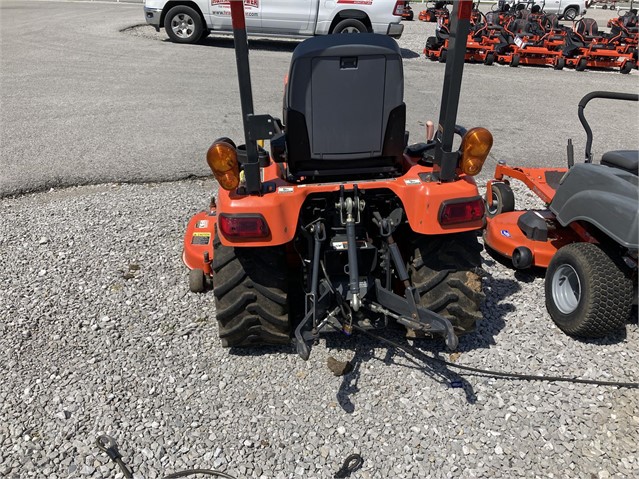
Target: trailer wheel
[588,293]
[627,67]
[503,200]
[251,289]
[559,64]
[581,64]
[183,25]
[514,61]
[350,25]
[444,269]
[490,59]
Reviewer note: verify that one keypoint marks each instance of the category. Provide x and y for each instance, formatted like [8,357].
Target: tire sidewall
[349,22]
[570,13]
[197,24]
[571,321]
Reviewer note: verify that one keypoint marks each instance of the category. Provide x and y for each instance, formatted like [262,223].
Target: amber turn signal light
[475,147]
[222,159]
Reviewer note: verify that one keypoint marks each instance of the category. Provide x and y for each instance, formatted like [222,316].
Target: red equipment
[344,225]
[587,235]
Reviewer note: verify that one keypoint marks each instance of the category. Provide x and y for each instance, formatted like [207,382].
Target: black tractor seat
[344,109]
[627,160]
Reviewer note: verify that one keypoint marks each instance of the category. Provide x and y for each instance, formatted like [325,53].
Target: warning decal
[201,238]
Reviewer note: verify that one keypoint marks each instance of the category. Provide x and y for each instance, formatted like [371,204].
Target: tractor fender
[603,196]
[280,205]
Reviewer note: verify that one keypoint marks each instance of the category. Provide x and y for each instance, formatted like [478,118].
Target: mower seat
[627,160]
[343,107]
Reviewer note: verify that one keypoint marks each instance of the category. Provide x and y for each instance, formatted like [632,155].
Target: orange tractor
[344,225]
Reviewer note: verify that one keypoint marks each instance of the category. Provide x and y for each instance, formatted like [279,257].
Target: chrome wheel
[183,25]
[566,289]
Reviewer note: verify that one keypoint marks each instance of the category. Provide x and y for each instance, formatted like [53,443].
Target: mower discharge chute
[342,226]
[587,237]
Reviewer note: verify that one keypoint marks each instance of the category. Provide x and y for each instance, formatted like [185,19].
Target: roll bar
[611,95]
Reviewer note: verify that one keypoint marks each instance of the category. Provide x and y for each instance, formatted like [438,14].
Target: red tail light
[243,226]
[399,8]
[467,210]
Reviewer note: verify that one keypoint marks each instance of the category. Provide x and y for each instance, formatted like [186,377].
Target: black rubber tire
[581,65]
[411,16]
[490,59]
[503,200]
[443,54]
[182,12]
[197,281]
[350,23]
[445,271]
[514,61]
[605,291]
[559,64]
[570,13]
[251,289]
[627,68]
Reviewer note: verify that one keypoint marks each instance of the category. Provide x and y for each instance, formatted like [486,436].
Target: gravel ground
[101,335]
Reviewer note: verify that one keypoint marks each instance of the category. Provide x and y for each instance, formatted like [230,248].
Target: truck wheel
[183,25]
[444,269]
[350,25]
[251,289]
[588,293]
[570,13]
[503,200]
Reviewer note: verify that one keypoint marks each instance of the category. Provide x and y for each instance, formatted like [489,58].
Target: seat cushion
[627,160]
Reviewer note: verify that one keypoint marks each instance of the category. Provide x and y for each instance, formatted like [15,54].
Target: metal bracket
[427,321]
[262,127]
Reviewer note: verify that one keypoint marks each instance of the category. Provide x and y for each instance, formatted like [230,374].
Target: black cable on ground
[496,374]
[191,472]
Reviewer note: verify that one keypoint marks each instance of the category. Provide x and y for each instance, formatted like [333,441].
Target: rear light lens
[222,159]
[468,210]
[475,147]
[243,226]
[399,8]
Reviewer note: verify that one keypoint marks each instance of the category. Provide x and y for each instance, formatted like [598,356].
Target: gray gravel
[84,351]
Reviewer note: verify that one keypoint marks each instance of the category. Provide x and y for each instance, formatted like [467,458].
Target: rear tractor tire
[588,293]
[445,271]
[251,295]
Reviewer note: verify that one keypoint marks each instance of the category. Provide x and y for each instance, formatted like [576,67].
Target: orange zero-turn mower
[343,226]
[587,237]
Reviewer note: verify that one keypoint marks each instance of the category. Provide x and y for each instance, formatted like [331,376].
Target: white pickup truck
[567,9]
[187,21]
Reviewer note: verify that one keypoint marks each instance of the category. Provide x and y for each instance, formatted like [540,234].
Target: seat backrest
[587,27]
[344,108]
